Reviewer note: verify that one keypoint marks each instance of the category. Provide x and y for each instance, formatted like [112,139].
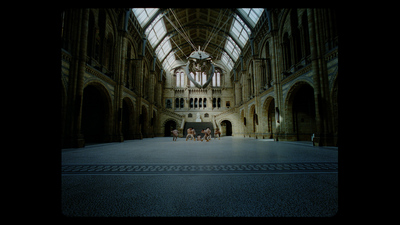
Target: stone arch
[300,112]
[265,45]
[226,127]
[284,22]
[169,124]
[96,113]
[243,122]
[253,119]
[268,119]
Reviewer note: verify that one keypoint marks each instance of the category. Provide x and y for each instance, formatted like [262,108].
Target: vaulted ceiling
[198,24]
[175,33]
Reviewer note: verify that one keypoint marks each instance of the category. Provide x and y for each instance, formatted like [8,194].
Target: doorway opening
[226,128]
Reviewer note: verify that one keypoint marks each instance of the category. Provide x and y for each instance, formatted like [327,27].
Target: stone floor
[230,177]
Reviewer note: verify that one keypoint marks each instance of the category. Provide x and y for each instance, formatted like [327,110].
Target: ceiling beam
[187,44]
[201,26]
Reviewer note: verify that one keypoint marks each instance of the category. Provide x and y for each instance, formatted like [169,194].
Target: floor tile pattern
[203,168]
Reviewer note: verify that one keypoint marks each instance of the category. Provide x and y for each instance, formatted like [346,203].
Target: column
[151,87]
[76,138]
[119,71]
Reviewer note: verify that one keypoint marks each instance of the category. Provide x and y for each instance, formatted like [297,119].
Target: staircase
[198,126]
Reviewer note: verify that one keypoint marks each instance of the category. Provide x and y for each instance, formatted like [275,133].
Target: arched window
[306,35]
[178,79]
[287,59]
[191,83]
[216,81]
[182,80]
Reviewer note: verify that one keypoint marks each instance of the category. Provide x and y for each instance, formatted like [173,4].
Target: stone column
[323,135]
[77,138]
[238,93]
[119,70]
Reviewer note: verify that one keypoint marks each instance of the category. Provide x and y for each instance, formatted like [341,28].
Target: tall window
[216,82]
[180,79]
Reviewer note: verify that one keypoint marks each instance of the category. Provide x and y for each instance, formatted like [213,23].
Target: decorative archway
[300,112]
[96,113]
[169,125]
[226,128]
[268,117]
[254,119]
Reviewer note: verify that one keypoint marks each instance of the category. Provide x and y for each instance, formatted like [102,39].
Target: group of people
[191,133]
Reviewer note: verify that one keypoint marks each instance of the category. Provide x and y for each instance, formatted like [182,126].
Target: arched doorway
[301,112]
[95,114]
[127,119]
[254,119]
[226,128]
[169,125]
[271,119]
[268,117]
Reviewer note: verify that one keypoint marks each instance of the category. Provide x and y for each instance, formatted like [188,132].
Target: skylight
[253,13]
[169,60]
[163,48]
[232,48]
[144,14]
[154,32]
[240,30]
[227,60]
